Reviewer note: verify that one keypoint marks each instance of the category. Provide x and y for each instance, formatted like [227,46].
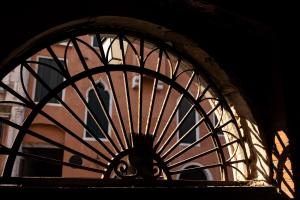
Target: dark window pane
[193,174]
[36,168]
[96,107]
[189,121]
[95,43]
[51,77]
[64,41]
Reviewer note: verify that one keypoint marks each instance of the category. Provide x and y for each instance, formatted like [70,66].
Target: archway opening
[142,134]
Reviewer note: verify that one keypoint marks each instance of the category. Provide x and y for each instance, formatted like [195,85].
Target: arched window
[193,172]
[99,120]
[144,141]
[188,122]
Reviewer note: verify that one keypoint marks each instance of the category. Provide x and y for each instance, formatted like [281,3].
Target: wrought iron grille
[152,115]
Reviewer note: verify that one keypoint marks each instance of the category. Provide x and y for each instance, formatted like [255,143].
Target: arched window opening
[100,119]
[187,118]
[124,127]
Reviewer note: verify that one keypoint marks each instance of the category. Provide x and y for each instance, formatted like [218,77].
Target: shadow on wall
[282,166]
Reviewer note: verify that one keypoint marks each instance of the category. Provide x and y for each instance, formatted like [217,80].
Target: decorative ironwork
[142,141]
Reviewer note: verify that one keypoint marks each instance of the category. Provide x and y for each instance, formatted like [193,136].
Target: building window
[51,77]
[193,172]
[95,42]
[106,44]
[189,122]
[136,82]
[37,168]
[65,42]
[100,115]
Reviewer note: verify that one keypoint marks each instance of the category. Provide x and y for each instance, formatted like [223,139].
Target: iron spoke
[153,95]
[162,110]
[118,110]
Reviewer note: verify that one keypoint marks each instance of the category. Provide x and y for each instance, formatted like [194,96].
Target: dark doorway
[37,168]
